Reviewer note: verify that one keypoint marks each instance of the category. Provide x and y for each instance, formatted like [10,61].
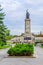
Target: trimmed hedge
[21,50]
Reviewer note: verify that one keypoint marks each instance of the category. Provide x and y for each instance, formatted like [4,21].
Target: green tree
[2,28]
[8,36]
[7,32]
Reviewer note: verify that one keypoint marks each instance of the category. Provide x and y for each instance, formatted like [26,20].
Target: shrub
[21,50]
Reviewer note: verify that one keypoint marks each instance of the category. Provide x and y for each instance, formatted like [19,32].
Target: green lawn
[3,47]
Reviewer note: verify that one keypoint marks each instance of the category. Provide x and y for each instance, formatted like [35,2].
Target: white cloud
[14,10]
[29,1]
[36,28]
[10,5]
[17,31]
[16,15]
[38,11]
[34,2]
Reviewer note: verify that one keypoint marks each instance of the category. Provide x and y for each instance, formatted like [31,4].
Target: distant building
[39,37]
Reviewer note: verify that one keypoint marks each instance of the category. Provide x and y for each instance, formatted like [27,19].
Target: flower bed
[21,50]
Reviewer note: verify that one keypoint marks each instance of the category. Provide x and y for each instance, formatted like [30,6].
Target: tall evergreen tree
[2,28]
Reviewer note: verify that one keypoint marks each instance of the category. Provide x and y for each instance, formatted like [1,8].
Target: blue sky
[15,11]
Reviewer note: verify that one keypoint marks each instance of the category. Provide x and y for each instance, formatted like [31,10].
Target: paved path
[3,53]
[22,61]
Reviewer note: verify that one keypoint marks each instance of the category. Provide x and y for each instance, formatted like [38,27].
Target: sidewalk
[25,61]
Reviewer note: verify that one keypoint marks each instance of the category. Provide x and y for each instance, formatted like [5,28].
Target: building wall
[21,39]
[38,39]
